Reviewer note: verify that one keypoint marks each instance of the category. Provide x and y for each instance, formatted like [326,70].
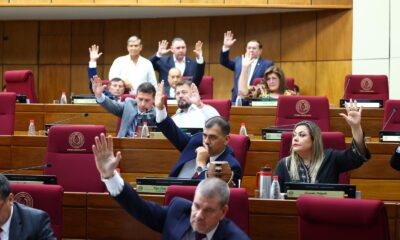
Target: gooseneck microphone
[394,111]
[43,166]
[69,119]
[345,88]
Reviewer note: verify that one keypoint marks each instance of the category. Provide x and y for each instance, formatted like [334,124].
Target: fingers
[110,144]
[118,157]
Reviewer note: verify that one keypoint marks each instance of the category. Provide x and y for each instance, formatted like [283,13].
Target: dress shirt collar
[176,60]
[214,158]
[6,225]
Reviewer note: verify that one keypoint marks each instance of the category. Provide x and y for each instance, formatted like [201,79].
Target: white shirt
[124,68]
[6,226]
[180,65]
[195,117]
[252,67]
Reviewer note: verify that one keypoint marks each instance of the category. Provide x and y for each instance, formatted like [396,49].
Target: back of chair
[238,203]
[289,81]
[48,198]
[374,87]
[294,109]
[334,140]
[336,218]
[69,151]
[21,82]
[391,115]
[223,106]
[7,113]
[206,88]
[240,145]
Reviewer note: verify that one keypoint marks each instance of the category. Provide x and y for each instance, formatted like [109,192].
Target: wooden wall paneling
[332,2]
[116,1]
[116,34]
[5,153]
[71,1]
[4,1]
[33,68]
[290,2]
[223,81]
[330,79]
[1,43]
[155,30]
[55,42]
[84,34]
[334,35]
[265,28]
[54,79]
[20,41]
[155,2]
[218,26]
[30,2]
[106,70]
[245,2]
[378,189]
[79,79]
[36,156]
[208,2]
[304,75]
[298,39]
[193,30]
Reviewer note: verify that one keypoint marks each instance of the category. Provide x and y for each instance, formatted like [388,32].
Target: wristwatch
[200,169]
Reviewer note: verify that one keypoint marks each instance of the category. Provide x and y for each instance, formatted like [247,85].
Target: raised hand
[247,60]
[202,156]
[163,47]
[195,96]
[159,98]
[228,39]
[97,86]
[198,49]
[353,117]
[94,53]
[104,157]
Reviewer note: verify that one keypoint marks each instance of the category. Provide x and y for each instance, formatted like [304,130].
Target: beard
[183,104]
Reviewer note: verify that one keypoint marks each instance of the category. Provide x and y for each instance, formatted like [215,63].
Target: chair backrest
[337,218]
[334,140]
[288,80]
[374,87]
[238,203]
[240,145]
[206,88]
[69,151]
[294,109]
[21,82]
[223,106]
[391,111]
[48,198]
[7,112]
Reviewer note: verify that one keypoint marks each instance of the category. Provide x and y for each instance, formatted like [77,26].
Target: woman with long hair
[309,163]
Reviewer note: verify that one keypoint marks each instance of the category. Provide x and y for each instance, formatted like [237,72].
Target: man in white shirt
[133,68]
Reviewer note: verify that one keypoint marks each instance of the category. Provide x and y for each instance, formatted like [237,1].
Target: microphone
[283,126]
[69,119]
[43,166]
[345,88]
[394,111]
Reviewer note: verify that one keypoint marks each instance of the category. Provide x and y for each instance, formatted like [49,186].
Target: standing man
[18,221]
[178,59]
[133,68]
[257,68]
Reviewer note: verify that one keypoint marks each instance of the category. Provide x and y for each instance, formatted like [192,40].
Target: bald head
[174,76]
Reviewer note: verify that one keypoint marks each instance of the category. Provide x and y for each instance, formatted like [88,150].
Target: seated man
[204,218]
[395,160]
[192,112]
[18,221]
[199,149]
[174,76]
[116,86]
[132,111]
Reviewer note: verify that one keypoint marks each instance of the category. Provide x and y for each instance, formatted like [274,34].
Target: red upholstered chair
[238,203]
[289,82]
[21,82]
[293,109]
[7,113]
[391,111]
[223,106]
[374,87]
[240,145]
[69,151]
[338,218]
[206,88]
[334,140]
[48,198]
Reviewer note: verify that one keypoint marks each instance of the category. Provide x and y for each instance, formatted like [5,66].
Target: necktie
[1,230]
[199,236]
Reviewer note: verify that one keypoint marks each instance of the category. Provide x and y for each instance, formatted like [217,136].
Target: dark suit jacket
[92,72]
[236,66]
[165,63]
[187,146]
[172,221]
[30,223]
[395,161]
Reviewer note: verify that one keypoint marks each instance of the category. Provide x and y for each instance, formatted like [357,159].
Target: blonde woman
[309,162]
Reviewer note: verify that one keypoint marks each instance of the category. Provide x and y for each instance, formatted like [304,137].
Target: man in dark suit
[18,221]
[204,218]
[257,69]
[178,59]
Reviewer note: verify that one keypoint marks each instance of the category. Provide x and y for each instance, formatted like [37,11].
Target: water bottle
[275,191]
[63,99]
[31,128]
[239,100]
[145,131]
[263,181]
[28,101]
[243,130]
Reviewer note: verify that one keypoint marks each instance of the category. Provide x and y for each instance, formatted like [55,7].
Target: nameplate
[294,194]
[273,133]
[158,189]
[172,102]
[264,103]
[389,136]
[365,103]
[84,101]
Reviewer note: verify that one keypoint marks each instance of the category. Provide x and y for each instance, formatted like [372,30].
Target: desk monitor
[295,189]
[39,179]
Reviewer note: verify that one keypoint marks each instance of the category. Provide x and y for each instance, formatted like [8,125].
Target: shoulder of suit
[23,209]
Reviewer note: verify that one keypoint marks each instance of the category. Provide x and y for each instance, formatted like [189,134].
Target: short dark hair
[147,87]
[183,82]
[115,80]
[259,43]
[221,122]
[5,188]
